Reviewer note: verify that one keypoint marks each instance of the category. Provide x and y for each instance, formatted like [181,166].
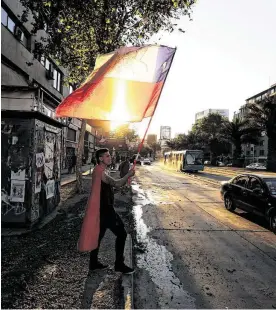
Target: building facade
[255,152]
[35,144]
[222,112]
[151,139]
[165,133]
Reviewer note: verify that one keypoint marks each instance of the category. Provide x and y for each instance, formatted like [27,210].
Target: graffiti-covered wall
[30,170]
[16,165]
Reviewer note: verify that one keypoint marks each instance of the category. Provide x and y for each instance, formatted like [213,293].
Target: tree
[172,144]
[124,131]
[155,147]
[208,135]
[80,30]
[263,115]
[238,132]
[178,143]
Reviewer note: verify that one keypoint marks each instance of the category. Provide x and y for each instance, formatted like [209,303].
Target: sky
[226,55]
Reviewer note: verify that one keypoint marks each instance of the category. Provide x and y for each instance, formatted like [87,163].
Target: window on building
[12,25]
[261,152]
[46,27]
[42,60]
[264,96]
[71,134]
[57,75]
[57,80]
[47,64]
[247,152]
[4,17]
[262,143]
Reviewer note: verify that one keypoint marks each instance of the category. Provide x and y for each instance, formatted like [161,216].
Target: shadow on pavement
[92,283]
[254,219]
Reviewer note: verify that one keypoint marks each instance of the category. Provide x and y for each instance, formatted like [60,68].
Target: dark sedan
[252,193]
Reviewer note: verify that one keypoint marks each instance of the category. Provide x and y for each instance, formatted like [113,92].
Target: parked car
[147,161]
[252,193]
[207,162]
[221,164]
[256,166]
[230,165]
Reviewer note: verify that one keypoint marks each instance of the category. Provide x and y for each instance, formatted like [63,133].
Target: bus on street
[186,160]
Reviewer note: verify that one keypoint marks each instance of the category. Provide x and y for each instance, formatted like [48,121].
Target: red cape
[89,236]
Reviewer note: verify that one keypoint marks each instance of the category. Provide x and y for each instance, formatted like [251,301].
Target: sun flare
[119,114]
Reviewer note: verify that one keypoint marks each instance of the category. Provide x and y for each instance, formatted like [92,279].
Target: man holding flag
[125,86]
[107,218]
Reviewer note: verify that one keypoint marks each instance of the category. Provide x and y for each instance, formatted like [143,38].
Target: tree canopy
[124,131]
[263,114]
[240,131]
[77,31]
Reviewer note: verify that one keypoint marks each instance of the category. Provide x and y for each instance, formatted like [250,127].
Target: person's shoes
[124,269]
[98,266]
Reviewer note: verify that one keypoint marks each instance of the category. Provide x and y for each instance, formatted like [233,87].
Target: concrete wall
[18,54]
[18,100]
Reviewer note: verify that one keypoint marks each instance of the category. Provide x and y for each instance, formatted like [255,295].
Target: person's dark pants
[114,223]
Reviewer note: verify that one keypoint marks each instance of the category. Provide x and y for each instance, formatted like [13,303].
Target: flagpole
[142,142]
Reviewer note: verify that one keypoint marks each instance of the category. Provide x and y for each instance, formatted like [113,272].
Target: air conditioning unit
[50,74]
[19,34]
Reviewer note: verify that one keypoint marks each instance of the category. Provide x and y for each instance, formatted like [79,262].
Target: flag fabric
[124,86]
[89,235]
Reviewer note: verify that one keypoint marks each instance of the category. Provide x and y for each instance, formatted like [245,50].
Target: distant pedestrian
[113,163]
[124,167]
[94,162]
[100,215]
[74,163]
[69,164]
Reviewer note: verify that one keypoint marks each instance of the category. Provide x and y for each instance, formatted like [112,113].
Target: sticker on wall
[17,191]
[48,170]
[50,189]
[39,157]
[34,213]
[49,158]
[19,175]
[37,182]
[14,140]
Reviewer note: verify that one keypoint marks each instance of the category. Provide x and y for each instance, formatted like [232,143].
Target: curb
[196,177]
[87,172]
[127,280]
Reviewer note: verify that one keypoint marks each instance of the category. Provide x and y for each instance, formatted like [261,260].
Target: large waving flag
[124,86]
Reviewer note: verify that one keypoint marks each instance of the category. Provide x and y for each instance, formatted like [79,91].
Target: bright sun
[115,124]
[119,114]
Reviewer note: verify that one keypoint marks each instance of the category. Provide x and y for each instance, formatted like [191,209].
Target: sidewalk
[44,270]
[69,178]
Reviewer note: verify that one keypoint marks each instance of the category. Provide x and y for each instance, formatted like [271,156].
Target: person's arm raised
[117,183]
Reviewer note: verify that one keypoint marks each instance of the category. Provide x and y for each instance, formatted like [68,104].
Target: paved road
[192,253]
